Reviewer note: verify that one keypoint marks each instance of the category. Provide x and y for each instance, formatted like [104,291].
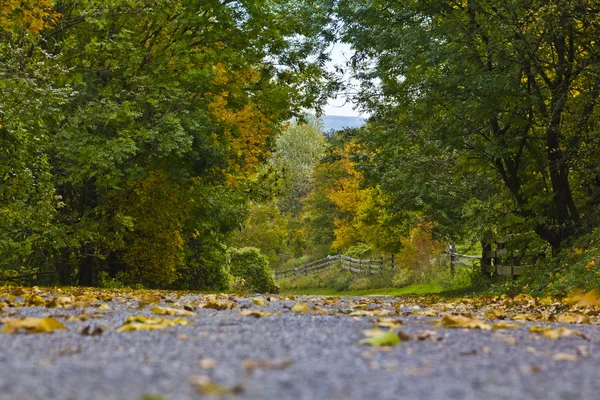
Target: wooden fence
[498,262]
[366,266]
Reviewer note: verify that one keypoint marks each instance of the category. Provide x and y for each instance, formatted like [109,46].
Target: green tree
[503,93]
[118,93]
[297,149]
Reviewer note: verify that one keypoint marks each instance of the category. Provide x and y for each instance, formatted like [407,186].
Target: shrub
[249,264]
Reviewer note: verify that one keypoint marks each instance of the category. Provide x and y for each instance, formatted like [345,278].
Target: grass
[423,288]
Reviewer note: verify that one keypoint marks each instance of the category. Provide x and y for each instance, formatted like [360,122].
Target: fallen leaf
[31,325]
[35,300]
[525,317]
[404,336]
[220,305]
[459,321]
[206,386]
[259,302]
[172,311]
[389,338]
[208,363]
[141,323]
[254,313]
[104,307]
[573,318]
[389,323]
[496,313]
[504,325]
[428,313]
[300,308]
[555,333]
[565,357]
[59,301]
[267,364]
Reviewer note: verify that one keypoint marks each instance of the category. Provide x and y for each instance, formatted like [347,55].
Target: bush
[204,270]
[253,267]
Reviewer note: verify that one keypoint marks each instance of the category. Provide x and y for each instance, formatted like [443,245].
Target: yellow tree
[32,15]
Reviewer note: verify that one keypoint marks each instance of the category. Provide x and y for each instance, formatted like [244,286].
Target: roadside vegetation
[165,145]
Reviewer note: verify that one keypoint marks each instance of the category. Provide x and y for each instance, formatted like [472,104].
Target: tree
[130,121]
[507,92]
[297,149]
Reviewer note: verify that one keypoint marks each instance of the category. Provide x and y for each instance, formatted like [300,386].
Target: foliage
[420,254]
[297,150]
[130,130]
[575,268]
[249,264]
[266,229]
[469,126]
[30,15]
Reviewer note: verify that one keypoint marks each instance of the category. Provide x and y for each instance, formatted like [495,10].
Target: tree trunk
[64,267]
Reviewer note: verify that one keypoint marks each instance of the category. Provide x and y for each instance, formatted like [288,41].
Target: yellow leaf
[389,323]
[525,317]
[59,301]
[171,311]
[590,265]
[458,321]
[220,305]
[206,386]
[104,307]
[300,307]
[495,314]
[259,302]
[141,323]
[35,300]
[504,325]
[428,313]
[523,298]
[573,318]
[254,313]
[31,325]
[555,333]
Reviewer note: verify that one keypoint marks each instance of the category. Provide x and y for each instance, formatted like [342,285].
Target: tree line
[140,140]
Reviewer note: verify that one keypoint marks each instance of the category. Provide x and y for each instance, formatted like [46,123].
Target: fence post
[498,259]
[452,251]
[370,263]
[360,264]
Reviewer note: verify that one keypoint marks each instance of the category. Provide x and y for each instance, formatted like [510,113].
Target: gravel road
[292,355]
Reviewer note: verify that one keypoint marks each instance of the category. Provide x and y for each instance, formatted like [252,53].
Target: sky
[341,53]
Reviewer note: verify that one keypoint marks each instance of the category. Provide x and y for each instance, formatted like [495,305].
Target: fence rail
[369,266]
[499,262]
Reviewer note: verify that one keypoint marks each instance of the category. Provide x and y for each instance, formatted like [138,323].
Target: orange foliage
[351,200]
[33,15]
[246,128]
[419,250]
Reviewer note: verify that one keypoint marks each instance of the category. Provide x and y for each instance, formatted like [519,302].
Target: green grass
[423,288]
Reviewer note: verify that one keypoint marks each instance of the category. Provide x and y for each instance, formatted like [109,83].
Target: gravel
[292,356]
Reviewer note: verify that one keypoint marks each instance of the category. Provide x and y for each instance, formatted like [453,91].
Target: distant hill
[336,123]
